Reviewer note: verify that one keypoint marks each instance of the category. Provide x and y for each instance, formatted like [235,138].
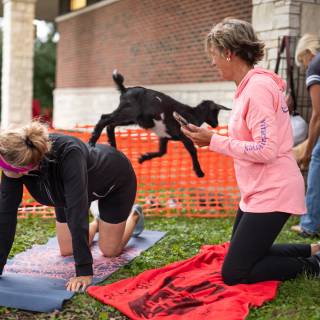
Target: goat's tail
[118,79]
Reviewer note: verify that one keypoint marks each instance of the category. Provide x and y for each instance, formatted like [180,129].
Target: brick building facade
[150,41]
[154,43]
[158,44]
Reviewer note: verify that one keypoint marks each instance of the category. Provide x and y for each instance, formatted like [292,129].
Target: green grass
[297,299]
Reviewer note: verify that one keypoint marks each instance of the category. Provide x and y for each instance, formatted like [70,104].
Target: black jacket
[70,177]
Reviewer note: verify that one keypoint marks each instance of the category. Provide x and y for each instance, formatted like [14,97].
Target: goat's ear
[206,104]
[220,107]
[118,79]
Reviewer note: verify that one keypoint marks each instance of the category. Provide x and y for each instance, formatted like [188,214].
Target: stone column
[275,18]
[17,63]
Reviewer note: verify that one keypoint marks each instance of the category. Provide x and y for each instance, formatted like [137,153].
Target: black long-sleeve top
[70,177]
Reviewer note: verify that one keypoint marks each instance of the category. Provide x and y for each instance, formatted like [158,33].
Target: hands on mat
[200,136]
[78,284]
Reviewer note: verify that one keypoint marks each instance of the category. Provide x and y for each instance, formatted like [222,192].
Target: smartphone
[182,121]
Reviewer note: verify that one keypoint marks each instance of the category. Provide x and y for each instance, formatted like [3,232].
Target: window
[77,4]
[66,6]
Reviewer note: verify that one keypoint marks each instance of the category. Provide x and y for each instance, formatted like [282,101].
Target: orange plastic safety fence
[168,185]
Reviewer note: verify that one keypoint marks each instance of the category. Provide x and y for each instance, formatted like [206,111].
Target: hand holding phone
[182,121]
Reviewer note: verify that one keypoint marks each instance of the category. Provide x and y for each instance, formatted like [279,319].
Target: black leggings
[252,256]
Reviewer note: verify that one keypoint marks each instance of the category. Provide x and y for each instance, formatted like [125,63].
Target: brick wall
[149,41]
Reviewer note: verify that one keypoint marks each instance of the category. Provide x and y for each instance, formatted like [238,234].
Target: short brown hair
[25,146]
[237,36]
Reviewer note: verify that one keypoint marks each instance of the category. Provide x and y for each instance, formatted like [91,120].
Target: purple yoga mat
[35,280]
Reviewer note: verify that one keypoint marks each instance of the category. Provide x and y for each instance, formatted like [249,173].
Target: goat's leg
[111,136]
[103,122]
[193,153]
[163,142]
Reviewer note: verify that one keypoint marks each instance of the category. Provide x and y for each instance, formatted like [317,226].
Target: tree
[44,69]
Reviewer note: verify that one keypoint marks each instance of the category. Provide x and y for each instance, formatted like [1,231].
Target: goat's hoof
[92,143]
[142,158]
[200,174]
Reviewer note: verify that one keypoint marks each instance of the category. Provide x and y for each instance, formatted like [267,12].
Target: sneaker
[94,209]
[296,228]
[140,224]
[303,233]
[153,202]
[306,234]
[173,203]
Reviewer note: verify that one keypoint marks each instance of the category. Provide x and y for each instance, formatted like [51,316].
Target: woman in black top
[62,171]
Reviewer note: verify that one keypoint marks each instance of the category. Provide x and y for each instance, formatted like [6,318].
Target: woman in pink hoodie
[260,142]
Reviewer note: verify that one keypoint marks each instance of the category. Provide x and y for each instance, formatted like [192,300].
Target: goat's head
[207,111]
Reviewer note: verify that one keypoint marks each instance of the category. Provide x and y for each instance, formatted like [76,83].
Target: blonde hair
[309,42]
[237,36]
[25,146]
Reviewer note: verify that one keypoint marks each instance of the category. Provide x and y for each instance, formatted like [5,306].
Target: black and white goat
[154,110]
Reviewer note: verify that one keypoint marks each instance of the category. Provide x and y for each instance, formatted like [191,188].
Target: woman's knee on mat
[110,251]
[65,247]
[64,239]
[64,252]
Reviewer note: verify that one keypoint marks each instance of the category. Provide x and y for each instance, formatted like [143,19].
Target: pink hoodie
[260,141]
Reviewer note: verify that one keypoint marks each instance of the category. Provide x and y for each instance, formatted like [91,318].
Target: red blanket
[189,289]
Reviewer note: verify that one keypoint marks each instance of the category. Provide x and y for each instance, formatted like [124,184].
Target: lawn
[297,299]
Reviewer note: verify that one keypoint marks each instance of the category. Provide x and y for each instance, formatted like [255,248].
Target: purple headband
[6,166]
